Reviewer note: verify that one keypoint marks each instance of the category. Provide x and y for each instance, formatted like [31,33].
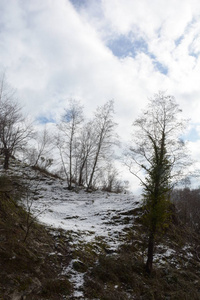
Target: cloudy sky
[98,50]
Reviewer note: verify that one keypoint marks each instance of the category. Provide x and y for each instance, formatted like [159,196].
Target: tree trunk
[80,180]
[70,169]
[6,159]
[95,163]
[149,263]
[92,174]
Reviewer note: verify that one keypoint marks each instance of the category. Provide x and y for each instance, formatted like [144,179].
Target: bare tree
[157,158]
[110,179]
[83,145]
[66,139]
[104,135]
[29,189]
[86,151]
[39,155]
[14,130]
[187,202]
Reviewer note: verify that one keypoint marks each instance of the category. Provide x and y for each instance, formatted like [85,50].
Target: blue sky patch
[123,46]
[45,120]
[192,135]
[194,54]
[79,3]
[160,67]
[179,40]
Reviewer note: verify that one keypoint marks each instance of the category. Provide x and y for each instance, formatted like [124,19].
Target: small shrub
[56,286]
[79,266]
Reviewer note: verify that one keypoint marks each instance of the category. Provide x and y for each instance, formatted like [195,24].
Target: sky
[98,50]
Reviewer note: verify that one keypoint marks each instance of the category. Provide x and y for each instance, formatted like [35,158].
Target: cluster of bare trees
[15,131]
[187,202]
[38,152]
[85,146]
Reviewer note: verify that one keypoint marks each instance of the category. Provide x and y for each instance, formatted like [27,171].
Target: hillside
[86,245]
[31,268]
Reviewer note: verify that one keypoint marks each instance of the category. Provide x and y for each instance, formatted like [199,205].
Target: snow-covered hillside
[88,215]
[93,225]
[85,215]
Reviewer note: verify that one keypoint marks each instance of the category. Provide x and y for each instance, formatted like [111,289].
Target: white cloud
[53,52]
[149,18]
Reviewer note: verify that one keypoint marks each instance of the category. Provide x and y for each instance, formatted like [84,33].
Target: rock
[17,296]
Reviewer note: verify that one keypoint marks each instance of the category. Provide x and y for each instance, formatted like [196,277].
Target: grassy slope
[28,268]
[32,268]
[121,276]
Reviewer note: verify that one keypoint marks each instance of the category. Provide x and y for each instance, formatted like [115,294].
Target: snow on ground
[95,214]
[87,215]
[77,279]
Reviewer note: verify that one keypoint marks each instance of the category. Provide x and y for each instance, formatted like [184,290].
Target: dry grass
[27,268]
[122,275]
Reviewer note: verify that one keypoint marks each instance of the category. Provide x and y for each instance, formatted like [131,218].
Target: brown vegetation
[31,269]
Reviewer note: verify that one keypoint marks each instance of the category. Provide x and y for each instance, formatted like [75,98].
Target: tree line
[85,147]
